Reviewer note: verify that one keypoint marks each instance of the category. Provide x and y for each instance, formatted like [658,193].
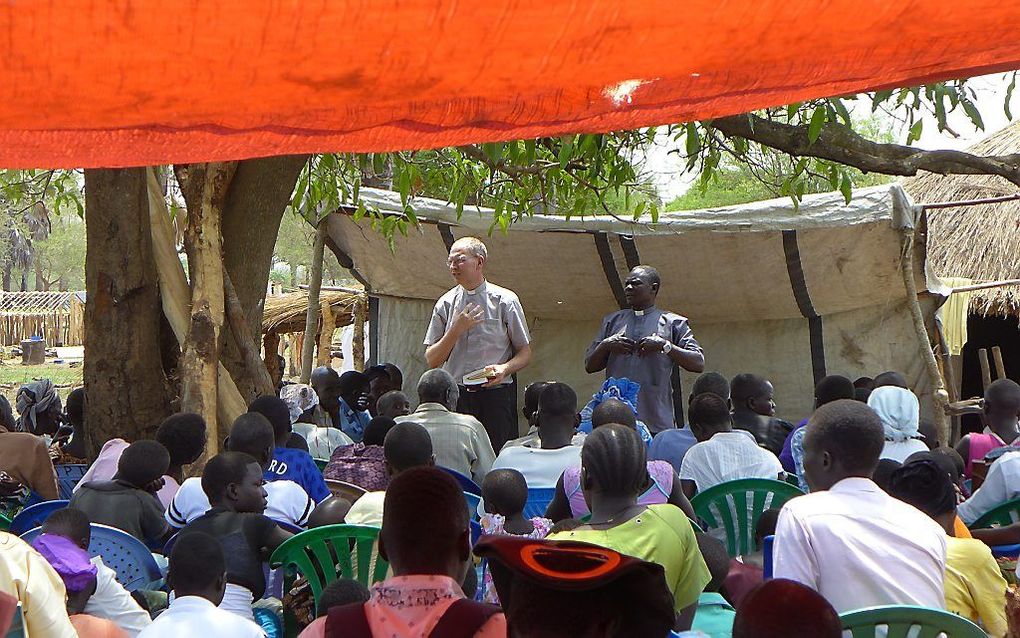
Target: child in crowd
[504,492]
[71,563]
[105,597]
[1001,412]
[393,404]
[128,501]
[288,463]
[285,500]
[340,592]
[183,435]
[714,616]
[754,410]
[198,577]
[233,483]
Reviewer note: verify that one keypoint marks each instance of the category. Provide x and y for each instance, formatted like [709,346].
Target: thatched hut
[57,317]
[285,314]
[977,240]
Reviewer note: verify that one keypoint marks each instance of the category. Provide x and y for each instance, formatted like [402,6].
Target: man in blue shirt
[353,390]
[288,463]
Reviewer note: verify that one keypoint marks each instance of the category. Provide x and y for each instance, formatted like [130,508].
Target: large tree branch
[839,143]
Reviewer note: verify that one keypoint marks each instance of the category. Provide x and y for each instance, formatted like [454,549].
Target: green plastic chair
[736,506]
[1004,514]
[321,463]
[324,554]
[904,620]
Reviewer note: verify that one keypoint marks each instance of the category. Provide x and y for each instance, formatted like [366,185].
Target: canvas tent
[791,293]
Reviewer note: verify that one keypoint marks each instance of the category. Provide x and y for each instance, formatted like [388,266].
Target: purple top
[661,473]
[786,456]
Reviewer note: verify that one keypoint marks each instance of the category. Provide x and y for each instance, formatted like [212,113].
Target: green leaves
[972,112]
[816,124]
[914,133]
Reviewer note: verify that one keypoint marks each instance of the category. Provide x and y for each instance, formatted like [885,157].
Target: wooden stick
[986,372]
[244,339]
[940,397]
[988,284]
[1000,367]
[312,318]
[325,357]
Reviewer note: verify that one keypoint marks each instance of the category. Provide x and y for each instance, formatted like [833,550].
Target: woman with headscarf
[322,440]
[39,408]
[900,414]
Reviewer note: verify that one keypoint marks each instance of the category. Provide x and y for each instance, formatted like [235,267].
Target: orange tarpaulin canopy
[134,82]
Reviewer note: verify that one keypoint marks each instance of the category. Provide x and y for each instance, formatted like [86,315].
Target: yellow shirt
[26,575]
[975,588]
[661,534]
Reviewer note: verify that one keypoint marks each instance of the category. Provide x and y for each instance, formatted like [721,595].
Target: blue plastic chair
[474,501]
[124,554]
[767,564]
[538,501]
[33,516]
[466,484]
[476,532]
[68,477]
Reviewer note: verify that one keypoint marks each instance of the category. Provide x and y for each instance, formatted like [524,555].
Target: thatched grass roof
[979,242]
[286,313]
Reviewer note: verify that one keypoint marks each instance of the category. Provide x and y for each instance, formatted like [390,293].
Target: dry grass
[286,313]
[978,242]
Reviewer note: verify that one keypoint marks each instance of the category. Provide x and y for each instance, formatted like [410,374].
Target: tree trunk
[204,187]
[312,318]
[40,281]
[243,339]
[126,394]
[256,200]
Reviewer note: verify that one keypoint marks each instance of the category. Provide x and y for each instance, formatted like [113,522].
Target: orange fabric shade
[134,82]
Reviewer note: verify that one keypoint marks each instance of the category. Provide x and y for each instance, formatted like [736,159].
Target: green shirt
[714,616]
[660,534]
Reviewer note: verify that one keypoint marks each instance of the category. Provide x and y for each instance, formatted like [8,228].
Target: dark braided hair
[613,457]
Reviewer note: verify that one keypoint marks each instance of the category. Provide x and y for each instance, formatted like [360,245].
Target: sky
[667,171]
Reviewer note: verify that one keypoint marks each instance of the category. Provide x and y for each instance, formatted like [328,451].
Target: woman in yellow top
[975,588]
[613,474]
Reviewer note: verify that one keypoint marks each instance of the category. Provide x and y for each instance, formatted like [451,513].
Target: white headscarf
[299,398]
[899,410]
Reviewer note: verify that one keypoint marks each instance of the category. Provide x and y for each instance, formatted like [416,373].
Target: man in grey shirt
[479,325]
[645,344]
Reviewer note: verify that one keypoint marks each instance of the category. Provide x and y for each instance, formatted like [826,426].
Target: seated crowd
[583,526]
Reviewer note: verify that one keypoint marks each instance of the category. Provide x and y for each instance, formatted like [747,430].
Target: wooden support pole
[326,334]
[360,315]
[1000,367]
[312,318]
[271,348]
[245,341]
[940,397]
[986,371]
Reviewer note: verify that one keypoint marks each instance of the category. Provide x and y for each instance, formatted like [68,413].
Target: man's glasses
[459,260]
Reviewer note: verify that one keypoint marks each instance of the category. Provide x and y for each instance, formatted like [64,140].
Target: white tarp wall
[792,294]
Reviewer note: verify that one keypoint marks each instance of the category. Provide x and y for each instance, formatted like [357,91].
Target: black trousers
[496,408]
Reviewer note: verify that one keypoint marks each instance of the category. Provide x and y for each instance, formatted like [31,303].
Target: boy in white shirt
[286,501]
[722,454]
[198,576]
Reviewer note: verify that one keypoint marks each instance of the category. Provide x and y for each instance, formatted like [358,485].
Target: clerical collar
[476,290]
[642,313]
